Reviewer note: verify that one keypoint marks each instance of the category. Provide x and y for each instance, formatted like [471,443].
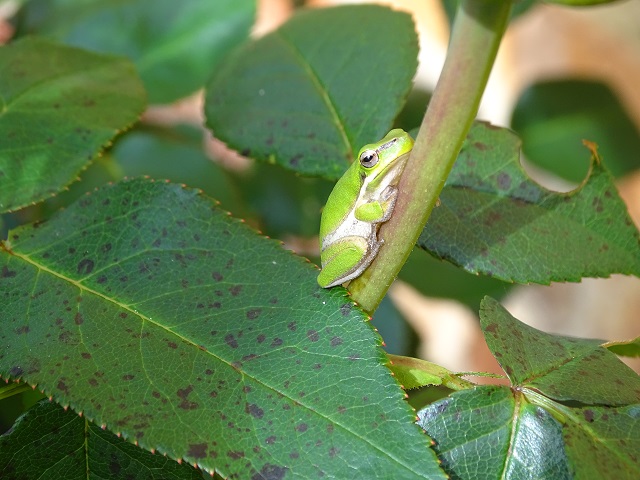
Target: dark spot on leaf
[345,309]
[231,340]
[480,146]
[197,450]
[302,427]
[235,290]
[102,279]
[93,382]
[183,394]
[335,341]
[217,276]
[292,326]
[270,472]
[254,410]
[295,160]
[492,328]
[85,355]
[342,409]
[114,466]
[492,218]
[6,273]
[313,336]
[22,330]
[128,377]
[85,266]
[15,371]
[597,204]
[63,387]
[254,313]
[270,440]
[261,338]
[78,319]
[235,454]
[172,345]
[504,181]
[333,451]
[276,342]
[317,366]
[588,415]
[123,315]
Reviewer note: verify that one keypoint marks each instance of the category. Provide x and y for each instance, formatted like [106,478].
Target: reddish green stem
[477,31]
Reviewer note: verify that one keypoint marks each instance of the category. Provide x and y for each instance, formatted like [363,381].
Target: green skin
[362,199]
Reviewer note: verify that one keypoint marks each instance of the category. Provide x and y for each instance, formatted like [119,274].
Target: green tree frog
[362,199]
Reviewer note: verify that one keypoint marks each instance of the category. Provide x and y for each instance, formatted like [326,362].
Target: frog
[362,199]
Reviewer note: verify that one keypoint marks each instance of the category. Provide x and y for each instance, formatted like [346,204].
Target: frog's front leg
[380,210]
[344,260]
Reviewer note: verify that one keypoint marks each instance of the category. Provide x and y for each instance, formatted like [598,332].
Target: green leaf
[414,373]
[58,107]
[552,118]
[488,433]
[496,432]
[49,442]
[175,45]
[562,368]
[494,220]
[603,442]
[628,348]
[156,314]
[309,95]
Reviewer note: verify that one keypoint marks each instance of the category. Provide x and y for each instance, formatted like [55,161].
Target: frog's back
[341,201]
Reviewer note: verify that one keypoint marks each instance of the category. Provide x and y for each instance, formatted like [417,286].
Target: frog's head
[377,158]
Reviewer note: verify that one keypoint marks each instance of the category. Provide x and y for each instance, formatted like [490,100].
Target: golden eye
[368,158]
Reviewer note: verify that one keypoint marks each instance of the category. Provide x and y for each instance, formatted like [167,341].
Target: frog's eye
[368,158]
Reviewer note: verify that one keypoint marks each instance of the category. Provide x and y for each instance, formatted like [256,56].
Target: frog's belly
[351,227]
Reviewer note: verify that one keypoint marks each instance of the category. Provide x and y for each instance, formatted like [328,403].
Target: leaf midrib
[322,91]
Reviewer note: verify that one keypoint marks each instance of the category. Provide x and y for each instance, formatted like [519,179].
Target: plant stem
[477,31]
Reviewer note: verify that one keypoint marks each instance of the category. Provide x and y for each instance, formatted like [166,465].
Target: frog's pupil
[368,159]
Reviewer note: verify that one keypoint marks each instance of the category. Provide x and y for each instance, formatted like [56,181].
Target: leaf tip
[593,148]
